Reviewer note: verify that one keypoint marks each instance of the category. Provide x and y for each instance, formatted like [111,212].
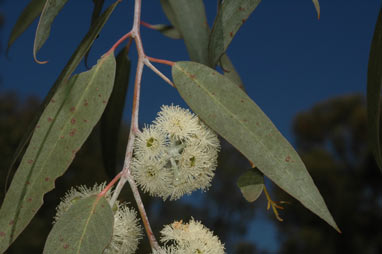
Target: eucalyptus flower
[175,155]
[189,238]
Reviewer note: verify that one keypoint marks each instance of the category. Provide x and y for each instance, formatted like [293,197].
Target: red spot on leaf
[241,100]
[50,119]
[73,121]
[257,124]
[47,179]
[2,234]
[29,199]
[72,132]
[85,120]
[287,159]
[30,161]
[72,109]
[53,100]
[86,103]
[38,126]
[66,246]
[62,137]
[11,222]
[192,76]
[104,102]
[231,34]
[97,89]
[243,20]
[99,95]
[241,8]
[28,182]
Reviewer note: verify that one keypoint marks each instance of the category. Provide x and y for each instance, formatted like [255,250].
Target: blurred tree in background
[222,208]
[332,141]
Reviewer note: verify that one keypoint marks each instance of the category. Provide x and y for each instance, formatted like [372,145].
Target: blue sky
[287,59]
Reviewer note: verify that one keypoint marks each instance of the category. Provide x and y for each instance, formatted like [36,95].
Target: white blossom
[183,158]
[189,238]
[126,232]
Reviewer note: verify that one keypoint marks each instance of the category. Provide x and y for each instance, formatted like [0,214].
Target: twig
[125,173]
[154,69]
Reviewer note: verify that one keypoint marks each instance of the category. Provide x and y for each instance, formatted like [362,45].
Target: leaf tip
[38,61]
[317,6]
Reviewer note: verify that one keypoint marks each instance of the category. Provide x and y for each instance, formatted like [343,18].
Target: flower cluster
[189,238]
[126,232]
[175,155]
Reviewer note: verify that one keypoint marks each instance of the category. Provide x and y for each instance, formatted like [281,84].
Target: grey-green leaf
[374,100]
[189,18]
[229,111]
[112,117]
[167,30]
[29,14]
[251,184]
[72,64]
[87,227]
[98,5]
[49,13]
[231,15]
[63,127]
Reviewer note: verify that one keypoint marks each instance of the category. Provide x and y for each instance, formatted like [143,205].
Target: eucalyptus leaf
[87,227]
[229,111]
[29,14]
[189,18]
[112,117]
[49,13]
[231,16]
[251,184]
[98,4]
[374,100]
[72,64]
[63,127]
[167,30]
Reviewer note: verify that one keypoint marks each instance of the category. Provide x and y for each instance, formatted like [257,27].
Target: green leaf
[374,83]
[87,227]
[231,15]
[229,111]
[189,18]
[72,64]
[230,71]
[63,127]
[112,117]
[98,4]
[29,14]
[317,6]
[251,184]
[49,13]
[167,30]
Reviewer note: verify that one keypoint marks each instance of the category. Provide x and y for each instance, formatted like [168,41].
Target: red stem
[156,60]
[119,42]
[146,24]
[108,187]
